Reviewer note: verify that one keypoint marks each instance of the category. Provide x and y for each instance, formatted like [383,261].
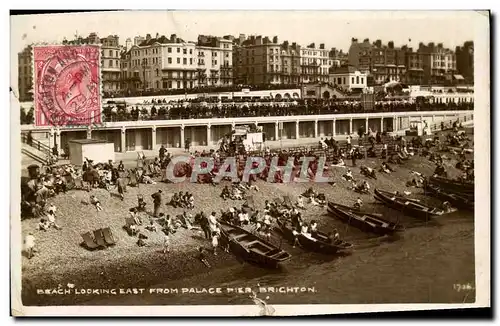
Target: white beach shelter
[99,151]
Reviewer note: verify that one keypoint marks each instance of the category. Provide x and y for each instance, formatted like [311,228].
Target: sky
[334,28]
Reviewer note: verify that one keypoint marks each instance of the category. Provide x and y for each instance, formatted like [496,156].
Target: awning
[459,77]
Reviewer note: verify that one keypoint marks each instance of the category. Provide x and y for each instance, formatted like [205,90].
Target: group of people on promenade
[174,110]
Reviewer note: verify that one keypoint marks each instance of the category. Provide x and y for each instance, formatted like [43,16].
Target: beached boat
[463,201]
[320,243]
[251,247]
[408,206]
[454,186]
[366,222]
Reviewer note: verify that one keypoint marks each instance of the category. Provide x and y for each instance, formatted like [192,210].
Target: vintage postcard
[231,163]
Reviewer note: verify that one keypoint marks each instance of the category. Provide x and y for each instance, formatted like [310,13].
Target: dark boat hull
[269,260]
[459,201]
[351,217]
[453,186]
[311,245]
[410,210]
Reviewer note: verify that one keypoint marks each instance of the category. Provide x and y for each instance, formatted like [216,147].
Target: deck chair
[88,241]
[108,236]
[99,238]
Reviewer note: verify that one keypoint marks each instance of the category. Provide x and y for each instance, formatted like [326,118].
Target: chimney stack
[354,40]
[173,38]
[148,37]
[275,39]
[322,46]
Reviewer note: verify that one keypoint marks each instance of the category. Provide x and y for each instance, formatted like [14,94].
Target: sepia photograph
[278,162]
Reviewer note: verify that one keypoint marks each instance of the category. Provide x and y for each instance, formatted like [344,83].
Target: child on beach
[94,201]
[166,242]
[215,242]
[29,245]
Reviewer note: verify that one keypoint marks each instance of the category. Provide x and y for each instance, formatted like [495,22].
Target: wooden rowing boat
[373,223]
[463,201]
[407,206]
[320,243]
[454,186]
[251,247]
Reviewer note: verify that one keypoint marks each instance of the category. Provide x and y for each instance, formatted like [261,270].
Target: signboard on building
[67,85]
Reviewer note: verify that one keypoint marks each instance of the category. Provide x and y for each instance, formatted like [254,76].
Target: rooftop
[88,141]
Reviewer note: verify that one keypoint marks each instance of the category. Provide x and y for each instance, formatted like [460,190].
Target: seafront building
[166,63]
[149,64]
[25,74]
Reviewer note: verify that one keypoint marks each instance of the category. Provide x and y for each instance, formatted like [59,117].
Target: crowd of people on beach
[53,180]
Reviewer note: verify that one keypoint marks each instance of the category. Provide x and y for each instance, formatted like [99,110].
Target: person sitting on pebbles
[43,225]
[151,227]
[348,175]
[357,205]
[94,201]
[141,242]
[51,218]
[225,193]
[300,202]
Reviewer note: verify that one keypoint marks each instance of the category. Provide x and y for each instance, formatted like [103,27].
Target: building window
[178,60]
[165,84]
[111,63]
[343,80]
[157,72]
[169,50]
[352,80]
[117,53]
[169,60]
[169,84]
[110,53]
[184,51]
[178,50]
[184,61]
[357,79]
[190,61]
[190,51]
[362,80]
[178,84]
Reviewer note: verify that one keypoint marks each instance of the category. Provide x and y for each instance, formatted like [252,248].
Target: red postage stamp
[67,85]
